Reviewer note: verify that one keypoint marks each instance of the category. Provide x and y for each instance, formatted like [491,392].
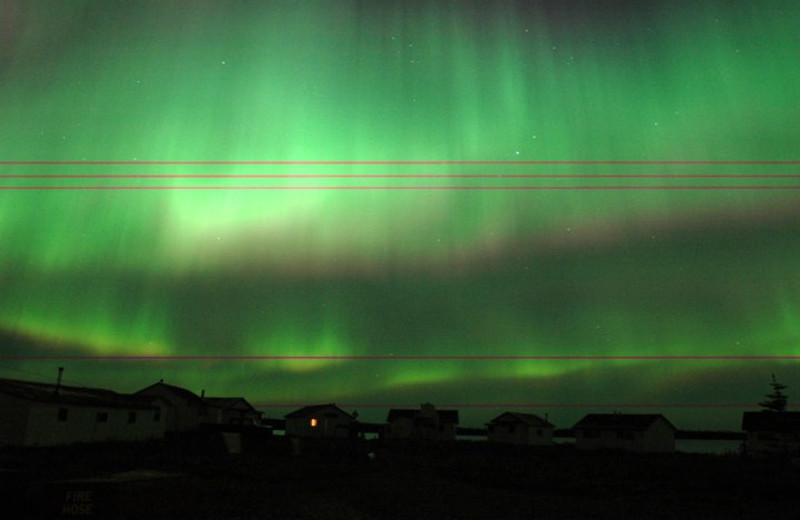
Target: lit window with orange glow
[313,422]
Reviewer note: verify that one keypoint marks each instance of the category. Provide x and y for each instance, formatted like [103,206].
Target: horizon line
[396,176]
[518,405]
[576,357]
[390,188]
[398,162]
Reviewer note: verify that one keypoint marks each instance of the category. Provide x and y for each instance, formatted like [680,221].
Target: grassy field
[194,478]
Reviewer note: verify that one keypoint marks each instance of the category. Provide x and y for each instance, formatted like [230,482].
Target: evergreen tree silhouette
[776,401]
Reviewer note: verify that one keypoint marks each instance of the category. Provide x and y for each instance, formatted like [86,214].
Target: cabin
[772,433]
[326,421]
[520,428]
[629,432]
[187,410]
[231,410]
[42,414]
[427,423]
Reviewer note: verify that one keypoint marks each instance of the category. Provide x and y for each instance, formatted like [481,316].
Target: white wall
[182,416]
[401,428]
[327,426]
[236,415]
[767,443]
[522,434]
[81,425]
[659,438]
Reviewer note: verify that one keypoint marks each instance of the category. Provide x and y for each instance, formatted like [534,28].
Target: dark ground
[459,481]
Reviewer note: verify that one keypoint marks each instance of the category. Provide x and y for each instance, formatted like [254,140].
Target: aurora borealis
[125,101]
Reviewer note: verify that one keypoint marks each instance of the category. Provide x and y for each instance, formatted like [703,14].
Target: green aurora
[382,271]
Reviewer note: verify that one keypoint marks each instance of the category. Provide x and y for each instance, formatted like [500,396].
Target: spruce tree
[776,401]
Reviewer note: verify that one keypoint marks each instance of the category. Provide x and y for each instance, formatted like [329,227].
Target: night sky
[525,254]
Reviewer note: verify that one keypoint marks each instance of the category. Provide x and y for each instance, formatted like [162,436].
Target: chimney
[58,381]
[203,393]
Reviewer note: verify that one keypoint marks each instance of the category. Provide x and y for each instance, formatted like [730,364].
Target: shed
[520,428]
[42,414]
[424,423]
[187,410]
[319,421]
[772,433]
[630,432]
[231,410]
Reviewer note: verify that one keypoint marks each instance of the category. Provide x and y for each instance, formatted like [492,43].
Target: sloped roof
[524,418]
[80,396]
[445,416]
[308,411]
[619,421]
[182,393]
[771,421]
[229,403]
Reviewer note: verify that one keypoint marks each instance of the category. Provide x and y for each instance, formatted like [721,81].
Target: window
[314,422]
[591,434]
[62,414]
[102,416]
[157,415]
[131,417]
